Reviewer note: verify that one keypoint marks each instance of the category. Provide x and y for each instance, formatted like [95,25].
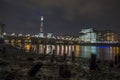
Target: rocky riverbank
[17,65]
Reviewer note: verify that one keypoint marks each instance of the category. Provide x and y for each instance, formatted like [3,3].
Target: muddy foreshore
[18,65]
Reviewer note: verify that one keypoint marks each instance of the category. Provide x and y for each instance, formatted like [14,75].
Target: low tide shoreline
[16,66]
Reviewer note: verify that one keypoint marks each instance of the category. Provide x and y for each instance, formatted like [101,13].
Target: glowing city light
[13,34]
[41,18]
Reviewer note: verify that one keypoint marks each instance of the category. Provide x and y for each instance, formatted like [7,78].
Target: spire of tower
[41,26]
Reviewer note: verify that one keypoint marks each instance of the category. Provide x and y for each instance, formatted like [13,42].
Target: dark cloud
[79,7]
[71,8]
[60,14]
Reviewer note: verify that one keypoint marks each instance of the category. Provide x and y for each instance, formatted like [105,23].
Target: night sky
[60,16]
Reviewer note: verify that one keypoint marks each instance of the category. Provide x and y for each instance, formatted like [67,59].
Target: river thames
[102,52]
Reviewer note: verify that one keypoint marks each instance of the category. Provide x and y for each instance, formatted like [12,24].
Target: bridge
[46,45]
[51,41]
[36,40]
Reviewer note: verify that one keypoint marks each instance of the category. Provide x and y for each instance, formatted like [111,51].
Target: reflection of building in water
[50,49]
[93,50]
[27,46]
[116,52]
[41,49]
[66,49]
[88,35]
[107,52]
[111,52]
[102,52]
[77,51]
[69,50]
[58,49]
[62,49]
[85,51]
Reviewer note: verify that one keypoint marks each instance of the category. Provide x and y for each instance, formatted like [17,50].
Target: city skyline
[60,16]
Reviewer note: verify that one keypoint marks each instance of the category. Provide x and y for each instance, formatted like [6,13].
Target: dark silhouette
[32,72]
[116,59]
[73,56]
[44,51]
[53,56]
[93,65]
[111,64]
[65,57]
[119,58]
[4,50]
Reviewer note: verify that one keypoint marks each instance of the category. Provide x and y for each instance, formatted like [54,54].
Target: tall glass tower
[41,26]
[41,34]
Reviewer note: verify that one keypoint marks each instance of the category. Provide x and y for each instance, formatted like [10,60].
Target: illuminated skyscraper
[41,34]
[41,26]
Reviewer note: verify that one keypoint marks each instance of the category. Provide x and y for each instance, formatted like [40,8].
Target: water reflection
[77,51]
[85,51]
[102,52]
[28,47]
